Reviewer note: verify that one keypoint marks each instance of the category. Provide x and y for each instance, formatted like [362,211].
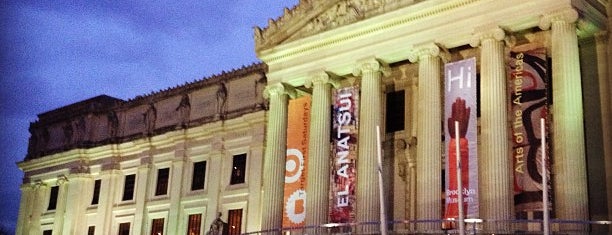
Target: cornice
[329,39]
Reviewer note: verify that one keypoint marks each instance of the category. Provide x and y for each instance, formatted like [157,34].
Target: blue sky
[55,53]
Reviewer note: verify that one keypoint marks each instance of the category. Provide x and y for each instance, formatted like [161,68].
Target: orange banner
[298,122]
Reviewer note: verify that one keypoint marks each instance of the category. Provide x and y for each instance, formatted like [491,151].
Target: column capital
[567,15]
[279,89]
[487,32]
[370,65]
[422,51]
[322,77]
[62,179]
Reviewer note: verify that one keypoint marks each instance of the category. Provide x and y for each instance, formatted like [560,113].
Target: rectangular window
[157,226]
[128,187]
[194,224]
[162,181]
[53,198]
[91,230]
[238,169]
[96,192]
[394,117]
[124,228]
[199,174]
[234,221]
[48,232]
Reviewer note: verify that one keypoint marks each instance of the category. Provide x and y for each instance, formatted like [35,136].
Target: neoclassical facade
[165,162]
[376,79]
[386,47]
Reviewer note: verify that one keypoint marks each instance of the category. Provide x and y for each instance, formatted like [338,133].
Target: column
[28,193]
[216,186]
[41,195]
[569,168]
[367,195]
[429,135]
[62,200]
[79,193]
[317,186]
[274,158]
[109,178]
[494,164]
[141,195]
[607,112]
[176,190]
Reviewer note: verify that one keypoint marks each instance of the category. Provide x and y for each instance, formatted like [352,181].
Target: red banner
[344,154]
[298,122]
[460,106]
[527,85]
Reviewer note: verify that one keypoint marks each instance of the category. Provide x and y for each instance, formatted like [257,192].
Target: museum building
[362,111]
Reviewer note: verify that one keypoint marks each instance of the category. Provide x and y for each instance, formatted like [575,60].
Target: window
[53,198]
[157,226]
[48,232]
[96,192]
[234,221]
[124,228]
[91,230]
[194,224]
[128,187]
[238,169]
[199,174]
[162,181]
[394,118]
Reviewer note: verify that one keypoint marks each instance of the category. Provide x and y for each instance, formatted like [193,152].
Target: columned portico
[428,159]
[317,188]
[570,187]
[495,177]
[367,195]
[274,158]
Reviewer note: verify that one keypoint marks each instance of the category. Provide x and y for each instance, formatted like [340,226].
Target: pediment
[311,17]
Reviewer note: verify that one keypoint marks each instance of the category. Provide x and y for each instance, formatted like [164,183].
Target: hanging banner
[460,105]
[344,154]
[527,83]
[298,122]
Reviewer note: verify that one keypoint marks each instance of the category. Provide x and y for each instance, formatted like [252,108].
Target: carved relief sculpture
[222,99]
[113,124]
[149,119]
[184,109]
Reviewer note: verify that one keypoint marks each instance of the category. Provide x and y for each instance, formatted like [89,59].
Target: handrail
[472,222]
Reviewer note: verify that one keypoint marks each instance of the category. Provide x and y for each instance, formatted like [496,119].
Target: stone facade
[394,51]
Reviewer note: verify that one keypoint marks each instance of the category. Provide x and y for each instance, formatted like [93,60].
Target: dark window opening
[96,193]
[124,228]
[238,169]
[162,181]
[157,226]
[128,187]
[394,117]
[199,175]
[91,230]
[48,232]
[234,221]
[53,198]
[194,224]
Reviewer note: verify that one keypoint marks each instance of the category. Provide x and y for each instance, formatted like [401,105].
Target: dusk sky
[55,53]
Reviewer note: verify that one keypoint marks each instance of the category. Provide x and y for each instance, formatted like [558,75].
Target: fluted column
[62,200]
[28,199]
[41,193]
[78,197]
[569,168]
[494,165]
[317,186]
[274,158]
[428,157]
[367,195]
